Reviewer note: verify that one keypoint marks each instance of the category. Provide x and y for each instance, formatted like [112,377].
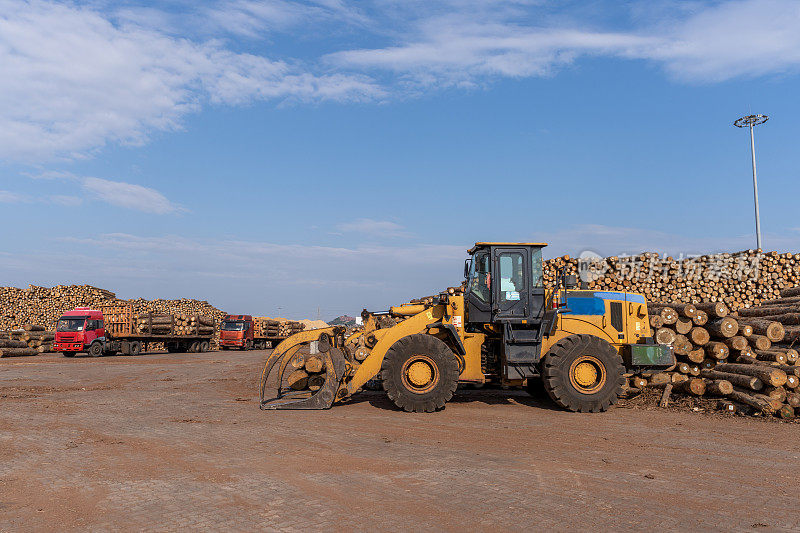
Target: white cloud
[65,200]
[375,228]
[8,197]
[73,80]
[712,42]
[129,195]
[117,193]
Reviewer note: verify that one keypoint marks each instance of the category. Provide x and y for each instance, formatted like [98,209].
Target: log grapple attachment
[305,371]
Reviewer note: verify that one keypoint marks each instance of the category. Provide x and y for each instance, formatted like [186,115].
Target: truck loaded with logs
[244,332]
[116,329]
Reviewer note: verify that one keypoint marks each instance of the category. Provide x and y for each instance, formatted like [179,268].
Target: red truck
[239,331]
[111,330]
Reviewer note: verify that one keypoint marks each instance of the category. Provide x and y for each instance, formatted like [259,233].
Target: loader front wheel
[419,373]
[583,373]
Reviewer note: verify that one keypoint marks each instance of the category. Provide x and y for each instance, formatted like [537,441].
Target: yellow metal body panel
[636,325]
[386,337]
[473,371]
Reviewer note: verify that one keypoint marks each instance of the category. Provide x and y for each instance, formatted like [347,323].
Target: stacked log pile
[32,339]
[739,280]
[176,323]
[276,327]
[43,305]
[746,358]
[307,372]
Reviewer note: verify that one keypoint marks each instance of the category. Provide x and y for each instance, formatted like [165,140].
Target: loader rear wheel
[419,373]
[583,373]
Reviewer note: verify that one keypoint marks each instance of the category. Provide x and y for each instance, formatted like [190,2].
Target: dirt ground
[168,441]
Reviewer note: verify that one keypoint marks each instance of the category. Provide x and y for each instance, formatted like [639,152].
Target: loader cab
[505,284]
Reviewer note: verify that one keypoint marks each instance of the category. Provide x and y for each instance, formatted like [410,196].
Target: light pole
[750,121]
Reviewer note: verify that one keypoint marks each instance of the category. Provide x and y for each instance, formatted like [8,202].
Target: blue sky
[289,158]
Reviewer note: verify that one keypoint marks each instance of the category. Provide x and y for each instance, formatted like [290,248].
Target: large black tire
[194,347]
[419,373]
[583,373]
[204,346]
[135,348]
[95,350]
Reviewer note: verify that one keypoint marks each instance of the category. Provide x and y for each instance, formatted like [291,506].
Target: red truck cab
[236,331]
[79,330]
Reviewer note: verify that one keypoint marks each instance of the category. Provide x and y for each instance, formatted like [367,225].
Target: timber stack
[276,327]
[32,339]
[174,324]
[739,280]
[747,358]
[44,305]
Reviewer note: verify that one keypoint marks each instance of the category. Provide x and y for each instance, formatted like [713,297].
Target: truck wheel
[204,346]
[68,354]
[248,345]
[194,347]
[419,373]
[95,350]
[135,348]
[583,373]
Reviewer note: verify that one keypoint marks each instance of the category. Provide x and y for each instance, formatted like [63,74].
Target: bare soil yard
[166,441]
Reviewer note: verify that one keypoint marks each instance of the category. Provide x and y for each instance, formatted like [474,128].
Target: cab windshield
[480,281]
[71,324]
[237,325]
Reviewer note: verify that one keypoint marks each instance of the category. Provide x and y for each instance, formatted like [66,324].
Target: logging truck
[239,331]
[116,330]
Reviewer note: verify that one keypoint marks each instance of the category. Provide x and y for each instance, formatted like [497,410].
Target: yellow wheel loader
[502,326]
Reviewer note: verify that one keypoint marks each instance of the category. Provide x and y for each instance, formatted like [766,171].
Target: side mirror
[467,265]
[571,281]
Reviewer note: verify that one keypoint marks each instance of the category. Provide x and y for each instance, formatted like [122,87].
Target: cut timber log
[17,352]
[701,318]
[776,393]
[771,329]
[665,395]
[298,380]
[665,336]
[715,309]
[719,387]
[699,336]
[745,330]
[736,342]
[684,325]
[681,345]
[316,382]
[793,399]
[747,382]
[770,376]
[693,386]
[772,356]
[717,350]
[687,310]
[656,321]
[314,364]
[762,405]
[297,361]
[760,342]
[696,356]
[723,327]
